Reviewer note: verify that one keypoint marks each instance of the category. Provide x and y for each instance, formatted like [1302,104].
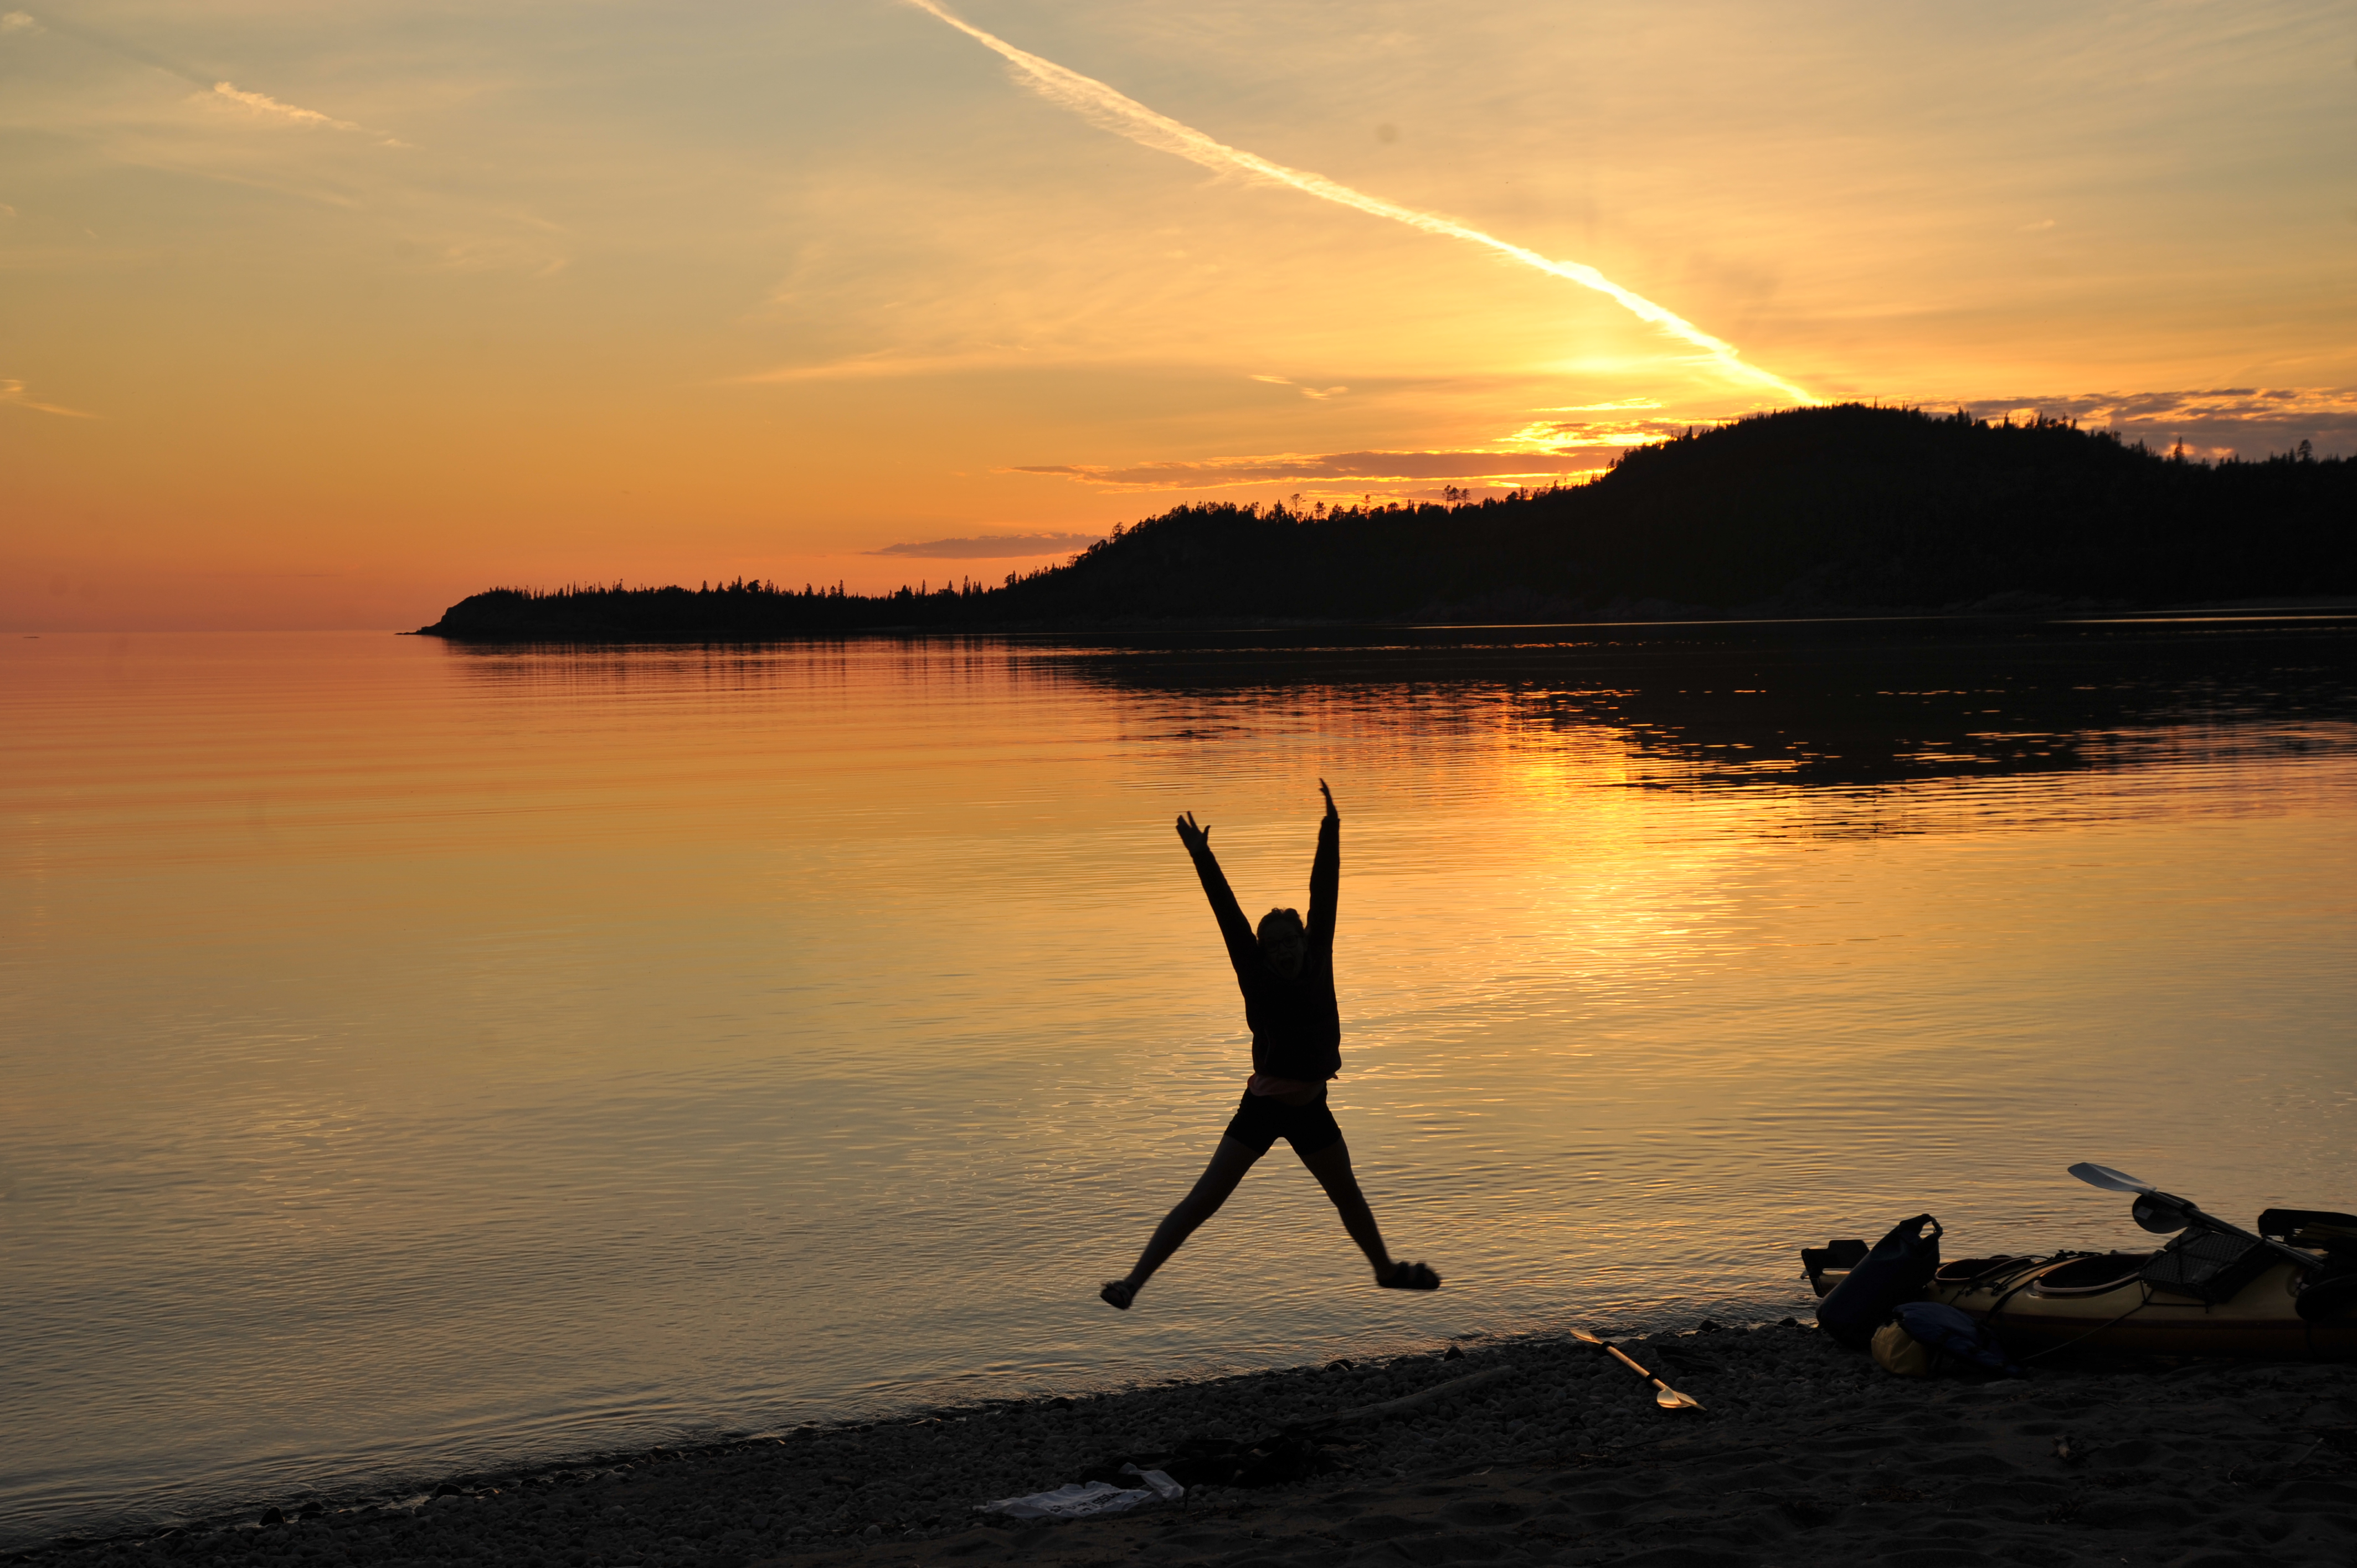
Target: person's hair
[1274,923]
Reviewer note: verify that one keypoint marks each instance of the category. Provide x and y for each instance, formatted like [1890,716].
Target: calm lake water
[420,1058]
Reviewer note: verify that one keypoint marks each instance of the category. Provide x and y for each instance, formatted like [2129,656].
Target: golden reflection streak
[1124,115]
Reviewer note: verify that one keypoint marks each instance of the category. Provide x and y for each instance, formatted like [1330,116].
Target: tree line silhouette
[1813,510]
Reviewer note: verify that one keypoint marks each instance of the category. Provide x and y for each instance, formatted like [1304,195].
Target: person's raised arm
[1326,873]
[1243,950]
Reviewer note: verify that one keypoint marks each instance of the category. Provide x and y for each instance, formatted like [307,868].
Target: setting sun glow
[327,318]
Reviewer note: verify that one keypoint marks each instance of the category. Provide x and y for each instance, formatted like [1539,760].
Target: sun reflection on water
[420,1055]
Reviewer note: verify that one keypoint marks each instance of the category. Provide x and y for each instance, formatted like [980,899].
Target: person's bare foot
[1120,1293]
[1408,1276]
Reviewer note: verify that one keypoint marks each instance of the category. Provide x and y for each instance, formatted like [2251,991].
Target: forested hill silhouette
[1808,511]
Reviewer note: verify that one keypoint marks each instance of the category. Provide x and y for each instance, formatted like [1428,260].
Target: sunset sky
[328,315]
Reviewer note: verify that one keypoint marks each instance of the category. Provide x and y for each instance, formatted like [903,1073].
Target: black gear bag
[1897,1270]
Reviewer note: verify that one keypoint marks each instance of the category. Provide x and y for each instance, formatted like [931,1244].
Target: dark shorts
[1263,1119]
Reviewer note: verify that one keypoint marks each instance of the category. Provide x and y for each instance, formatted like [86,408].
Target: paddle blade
[2162,1214]
[1583,1335]
[1669,1398]
[2108,1178]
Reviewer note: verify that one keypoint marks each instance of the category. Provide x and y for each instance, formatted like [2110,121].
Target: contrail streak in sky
[1125,116]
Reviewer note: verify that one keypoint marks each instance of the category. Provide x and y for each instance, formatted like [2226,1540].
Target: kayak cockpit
[2094,1273]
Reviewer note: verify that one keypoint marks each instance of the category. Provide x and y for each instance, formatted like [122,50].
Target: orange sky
[327,318]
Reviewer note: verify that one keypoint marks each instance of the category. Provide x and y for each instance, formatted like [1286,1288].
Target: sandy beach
[1806,1453]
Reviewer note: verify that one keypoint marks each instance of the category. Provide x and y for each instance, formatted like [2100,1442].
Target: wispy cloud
[262,103]
[18,22]
[13,393]
[1356,468]
[871,366]
[2245,420]
[268,108]
[1317,394]
[2250,422]
[1545,451]
[992,547]
[1558,435]
[1125,116]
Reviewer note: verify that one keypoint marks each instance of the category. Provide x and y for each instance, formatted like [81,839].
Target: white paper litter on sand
[1078,1499]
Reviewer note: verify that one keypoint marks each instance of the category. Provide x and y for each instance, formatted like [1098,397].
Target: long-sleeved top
[1297,1024]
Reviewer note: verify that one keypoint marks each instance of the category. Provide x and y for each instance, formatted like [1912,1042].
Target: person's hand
[1330,812]
[1194,838]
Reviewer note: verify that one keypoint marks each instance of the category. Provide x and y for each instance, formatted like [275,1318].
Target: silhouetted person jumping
[1288,976]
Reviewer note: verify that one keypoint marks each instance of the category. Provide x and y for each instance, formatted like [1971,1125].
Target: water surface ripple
[421,1056]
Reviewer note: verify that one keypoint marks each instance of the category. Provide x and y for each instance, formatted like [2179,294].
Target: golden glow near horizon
[332,318]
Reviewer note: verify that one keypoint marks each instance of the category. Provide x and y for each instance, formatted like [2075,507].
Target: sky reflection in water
[421,1055]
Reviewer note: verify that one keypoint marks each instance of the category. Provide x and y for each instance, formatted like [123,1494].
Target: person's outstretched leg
[1228,1163]
[1331,1166]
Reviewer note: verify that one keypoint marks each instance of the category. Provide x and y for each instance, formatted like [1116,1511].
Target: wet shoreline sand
[1806,1451]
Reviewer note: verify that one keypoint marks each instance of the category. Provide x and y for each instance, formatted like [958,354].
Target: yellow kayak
[2101,1301]
[2209,1293]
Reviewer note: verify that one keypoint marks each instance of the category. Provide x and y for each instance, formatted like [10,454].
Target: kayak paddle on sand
[1665,1396]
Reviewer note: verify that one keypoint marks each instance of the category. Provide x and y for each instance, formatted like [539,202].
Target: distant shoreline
[1830,512]
[2319,607]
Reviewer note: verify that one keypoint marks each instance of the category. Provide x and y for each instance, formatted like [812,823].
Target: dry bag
[1953,1335]
[1897,1270]
[1899,1353]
